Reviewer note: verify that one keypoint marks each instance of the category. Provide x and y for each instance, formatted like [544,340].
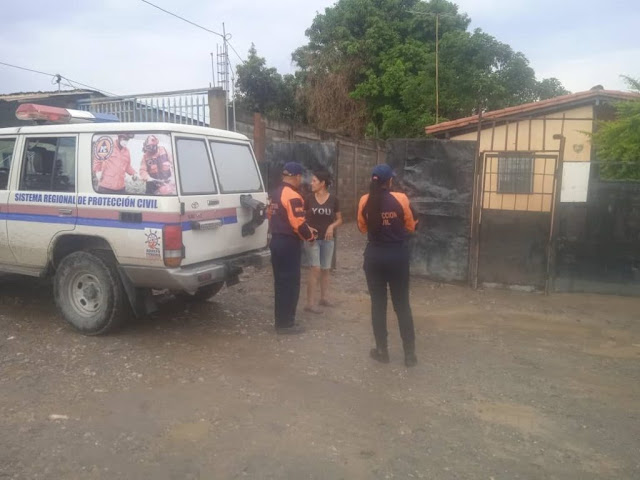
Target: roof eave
[528,110]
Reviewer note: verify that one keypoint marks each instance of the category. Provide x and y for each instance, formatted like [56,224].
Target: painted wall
[533,135]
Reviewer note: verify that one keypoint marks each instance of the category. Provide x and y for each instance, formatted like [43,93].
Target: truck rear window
[236,167]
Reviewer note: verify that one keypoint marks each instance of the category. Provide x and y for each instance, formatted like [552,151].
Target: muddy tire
[89,292]
[204,293]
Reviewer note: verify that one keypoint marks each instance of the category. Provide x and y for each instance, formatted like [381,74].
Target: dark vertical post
[336,183]
[437,67]
[555,204]
[474,234]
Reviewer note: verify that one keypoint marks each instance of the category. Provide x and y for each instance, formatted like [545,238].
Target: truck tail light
[172,245]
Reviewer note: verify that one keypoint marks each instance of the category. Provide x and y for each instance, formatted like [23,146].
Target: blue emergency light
[105,117]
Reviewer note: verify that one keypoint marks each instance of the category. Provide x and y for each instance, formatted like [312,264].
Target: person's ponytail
[373,208]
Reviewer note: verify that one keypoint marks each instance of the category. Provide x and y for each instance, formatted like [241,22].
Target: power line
[183,19]
[225,37]
[27,69]
[237,54]
[56,76]
[89,86]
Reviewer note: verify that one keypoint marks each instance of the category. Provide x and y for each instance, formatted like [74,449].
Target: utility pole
[226,72]
[437,15]
[213,72]
[437,67]
[233,96]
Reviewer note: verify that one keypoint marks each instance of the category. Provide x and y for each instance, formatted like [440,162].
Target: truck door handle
[65,212]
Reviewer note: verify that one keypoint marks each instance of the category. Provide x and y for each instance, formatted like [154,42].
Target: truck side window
[49,165]
[196,175]
[6,155]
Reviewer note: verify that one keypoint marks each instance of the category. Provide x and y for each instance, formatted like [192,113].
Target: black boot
[410,359]
[380,354]
[292,330]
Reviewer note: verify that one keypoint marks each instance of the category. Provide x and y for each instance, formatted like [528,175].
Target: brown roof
[22,96]
[573,98]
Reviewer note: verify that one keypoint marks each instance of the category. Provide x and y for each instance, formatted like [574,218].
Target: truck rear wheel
[89,293]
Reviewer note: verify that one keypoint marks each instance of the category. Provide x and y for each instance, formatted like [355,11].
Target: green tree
[362,59]
[262,89]
[617,142]
[369,66]
[478,71]
[549,88]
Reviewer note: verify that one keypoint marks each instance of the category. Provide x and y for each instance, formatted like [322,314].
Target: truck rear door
[238,176]
[213,214]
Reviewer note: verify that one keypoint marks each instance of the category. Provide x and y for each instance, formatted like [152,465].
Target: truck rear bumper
[192,277]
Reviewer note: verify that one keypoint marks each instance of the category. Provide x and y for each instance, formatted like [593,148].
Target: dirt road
[508,386]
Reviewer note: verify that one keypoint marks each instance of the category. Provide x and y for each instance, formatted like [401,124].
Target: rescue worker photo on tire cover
[388,219]
[288,229]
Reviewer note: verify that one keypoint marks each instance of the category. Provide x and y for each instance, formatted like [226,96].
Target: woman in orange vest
[388,219]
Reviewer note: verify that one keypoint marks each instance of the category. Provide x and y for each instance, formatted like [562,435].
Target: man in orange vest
[288,229]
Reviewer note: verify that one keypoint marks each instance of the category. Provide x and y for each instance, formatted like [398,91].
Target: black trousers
[285,260]
[389,265]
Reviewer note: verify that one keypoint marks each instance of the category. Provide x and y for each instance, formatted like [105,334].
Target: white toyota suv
[113,210]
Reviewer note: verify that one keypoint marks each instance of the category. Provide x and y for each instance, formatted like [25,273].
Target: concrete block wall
[355,158]
[355,162]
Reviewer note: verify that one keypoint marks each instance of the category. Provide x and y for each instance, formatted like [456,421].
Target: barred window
[515,174]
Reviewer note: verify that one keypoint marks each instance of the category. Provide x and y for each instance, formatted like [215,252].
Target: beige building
[521,148]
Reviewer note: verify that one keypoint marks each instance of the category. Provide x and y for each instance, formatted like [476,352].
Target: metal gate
[515,200]
[438,177]
[189,107]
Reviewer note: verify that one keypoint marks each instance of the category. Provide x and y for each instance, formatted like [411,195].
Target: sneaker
[379,355]
[313,309]
[292,330]
[410,359]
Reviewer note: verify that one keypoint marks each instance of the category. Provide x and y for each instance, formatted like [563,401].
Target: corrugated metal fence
[189,107]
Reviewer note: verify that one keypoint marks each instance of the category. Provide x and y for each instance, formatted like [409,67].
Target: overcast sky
[127,46]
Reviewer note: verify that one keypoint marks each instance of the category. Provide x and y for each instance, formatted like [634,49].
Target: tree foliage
[617,142]
[549,88]
[369,67]
[262,89]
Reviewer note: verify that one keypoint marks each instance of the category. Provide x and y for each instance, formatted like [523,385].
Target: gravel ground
[508,386]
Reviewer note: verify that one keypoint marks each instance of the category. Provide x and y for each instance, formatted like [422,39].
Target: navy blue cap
[292,168]
[383,172]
